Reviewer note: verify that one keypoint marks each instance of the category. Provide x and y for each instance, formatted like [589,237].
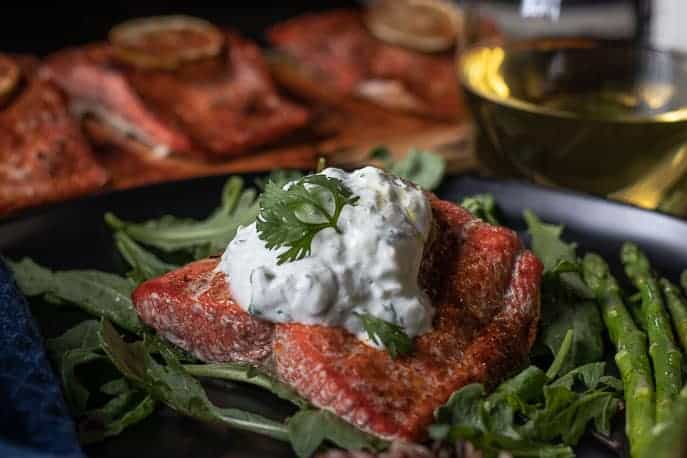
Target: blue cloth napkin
[34,420]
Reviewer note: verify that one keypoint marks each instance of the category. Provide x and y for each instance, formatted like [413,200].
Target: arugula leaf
[424,168]
[482,206]
[565,414]
[145,265]
[116,386]
[156,344]
[305,432]
[526,386]
[292,217]
[560,314]
[461,412]
[566,299]
[390,335]
[80,346]
[561,355]
[280,177]
[98,293]
[125,409]
[527,416]
[77,346]
[74,390]
[84,336]
[489,425]
[547,243]
[170,384]
[239,207]
[590,375]
[238,372]
[612,383]
[310,428]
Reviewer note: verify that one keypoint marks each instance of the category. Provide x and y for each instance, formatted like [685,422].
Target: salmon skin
[336,50]
[483,284]
[43,155]
[221,107]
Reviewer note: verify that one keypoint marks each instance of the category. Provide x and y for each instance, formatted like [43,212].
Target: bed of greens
[601,350]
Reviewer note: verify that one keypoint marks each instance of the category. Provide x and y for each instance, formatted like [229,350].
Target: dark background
[45,29]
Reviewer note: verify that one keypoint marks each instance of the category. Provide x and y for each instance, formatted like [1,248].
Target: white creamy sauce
[371,267]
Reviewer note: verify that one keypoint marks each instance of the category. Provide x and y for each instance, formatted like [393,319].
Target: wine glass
[581,94]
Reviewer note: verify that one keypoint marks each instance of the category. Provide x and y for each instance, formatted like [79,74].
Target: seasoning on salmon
[482,282]
[43,155]
[218,106]
[336,50]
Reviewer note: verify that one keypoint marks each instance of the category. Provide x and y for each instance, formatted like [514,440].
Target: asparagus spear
[683,280]
[665,355]
[678,310]
[633,305]
[631,357]
[671,440]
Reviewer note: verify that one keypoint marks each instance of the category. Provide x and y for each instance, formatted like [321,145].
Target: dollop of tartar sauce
[371,267]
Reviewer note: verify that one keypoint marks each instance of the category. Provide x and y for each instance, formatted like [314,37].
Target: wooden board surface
[342,131]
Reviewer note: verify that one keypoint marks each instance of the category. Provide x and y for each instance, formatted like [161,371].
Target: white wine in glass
[580,106]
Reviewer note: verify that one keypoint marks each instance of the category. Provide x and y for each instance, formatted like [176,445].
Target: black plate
[73,235]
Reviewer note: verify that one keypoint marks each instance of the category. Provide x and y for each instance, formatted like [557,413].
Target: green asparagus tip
[594,264]
[114,222]
[636,263]
[668,287]
[595,271]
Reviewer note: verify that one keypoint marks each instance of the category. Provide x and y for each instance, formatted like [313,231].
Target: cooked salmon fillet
[43,154]
[483,284]
[222,106]
[337,51]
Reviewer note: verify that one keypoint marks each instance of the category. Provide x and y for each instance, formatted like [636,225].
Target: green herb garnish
[145,265]
[292,217]
[390,335]
[534,413]
[310,428]
[547,243]
[567,302]
[482,206]
[424,168]
[101,294]
[198,238]
[167,381]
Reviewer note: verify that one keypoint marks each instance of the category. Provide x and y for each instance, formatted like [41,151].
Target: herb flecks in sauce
[353,242]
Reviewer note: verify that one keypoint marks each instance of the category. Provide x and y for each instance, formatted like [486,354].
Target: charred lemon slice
[422,25]
[165,42]
[9,78]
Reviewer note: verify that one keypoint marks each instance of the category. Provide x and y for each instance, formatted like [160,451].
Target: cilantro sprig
[292,217]
[390,335]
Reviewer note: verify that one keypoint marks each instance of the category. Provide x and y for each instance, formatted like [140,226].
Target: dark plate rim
[31,212]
